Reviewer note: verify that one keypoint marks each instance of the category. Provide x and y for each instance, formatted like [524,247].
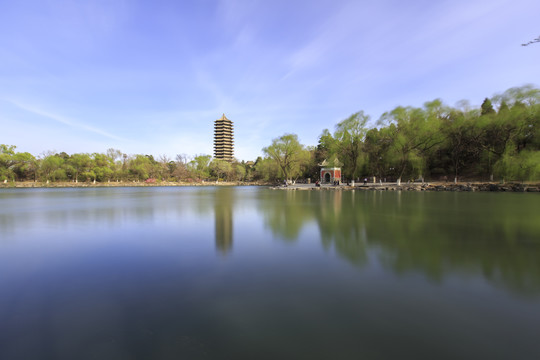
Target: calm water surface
[251,273]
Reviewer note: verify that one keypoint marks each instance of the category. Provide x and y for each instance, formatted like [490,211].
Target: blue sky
[150,77]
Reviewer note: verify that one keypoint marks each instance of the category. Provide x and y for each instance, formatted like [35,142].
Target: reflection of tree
[60,208]
[435,233]
[223,212]
[342,225]
[286,212]
[472,235]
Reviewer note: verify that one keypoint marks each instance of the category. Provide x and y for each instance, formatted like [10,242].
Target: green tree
[7,152]
[240,171]
[200,166]
[221,169]
[140,167]
[24,166]
[116,158]
[287,153]
[487,107]
[78,164]
[102,166]
[413,133]
[350,134]
[267,170]
[51,168]
[376,147]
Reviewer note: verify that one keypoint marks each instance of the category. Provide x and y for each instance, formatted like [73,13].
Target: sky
[151,77]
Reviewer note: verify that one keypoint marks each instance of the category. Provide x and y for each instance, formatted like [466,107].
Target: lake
[254,273]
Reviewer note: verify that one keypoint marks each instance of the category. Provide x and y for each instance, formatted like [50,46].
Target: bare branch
[531,42]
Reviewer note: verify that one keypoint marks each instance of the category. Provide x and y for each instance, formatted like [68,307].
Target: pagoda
[223,139]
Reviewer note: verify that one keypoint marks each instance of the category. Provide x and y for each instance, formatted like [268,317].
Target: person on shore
[365,181]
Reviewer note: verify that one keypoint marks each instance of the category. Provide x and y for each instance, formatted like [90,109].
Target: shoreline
[427,186]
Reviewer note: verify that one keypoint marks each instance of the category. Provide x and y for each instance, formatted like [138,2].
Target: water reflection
[496,236]
[58,208]
[137,273]
[223,214]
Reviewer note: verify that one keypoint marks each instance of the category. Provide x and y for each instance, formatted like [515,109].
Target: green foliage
[519,166]
[221,169]
[487,107]
[200,166]
[51,168]
[288,154]
[267,170]
[350,134]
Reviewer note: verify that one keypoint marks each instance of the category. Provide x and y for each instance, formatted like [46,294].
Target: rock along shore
[460,187]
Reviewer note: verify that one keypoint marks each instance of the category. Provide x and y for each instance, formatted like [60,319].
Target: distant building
[330,170]
[223,139]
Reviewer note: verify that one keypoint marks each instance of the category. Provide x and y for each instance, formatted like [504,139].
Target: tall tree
[287,152]
[487,107]
[350,134]
[413,133]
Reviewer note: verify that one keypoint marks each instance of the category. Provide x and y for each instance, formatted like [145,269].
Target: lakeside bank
[427,186]
[436,186]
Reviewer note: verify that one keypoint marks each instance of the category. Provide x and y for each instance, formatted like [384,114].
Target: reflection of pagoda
[223,139]
[223,213]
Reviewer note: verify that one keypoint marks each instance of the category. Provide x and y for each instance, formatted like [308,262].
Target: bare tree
[531,42]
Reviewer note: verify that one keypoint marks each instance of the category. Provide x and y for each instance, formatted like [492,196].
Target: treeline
[498,141]
[115,166]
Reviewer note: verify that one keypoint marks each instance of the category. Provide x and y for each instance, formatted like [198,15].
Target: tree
[521,166]
[240,171]
[221,169]
[487,107]
[413,133]
[103,167]
[140,167]
[287,153]
[79,164]
[51,167]
[459,145]
[25,166]
[181,171]
[165,167]
[350,134]
[326,147]
[199,166]
[376,147]
[7,153]
[531,42]
[267,169]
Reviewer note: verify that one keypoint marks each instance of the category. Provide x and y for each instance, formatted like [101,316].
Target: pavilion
[330,170]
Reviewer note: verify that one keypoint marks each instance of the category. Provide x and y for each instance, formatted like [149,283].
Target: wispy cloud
[62,119]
